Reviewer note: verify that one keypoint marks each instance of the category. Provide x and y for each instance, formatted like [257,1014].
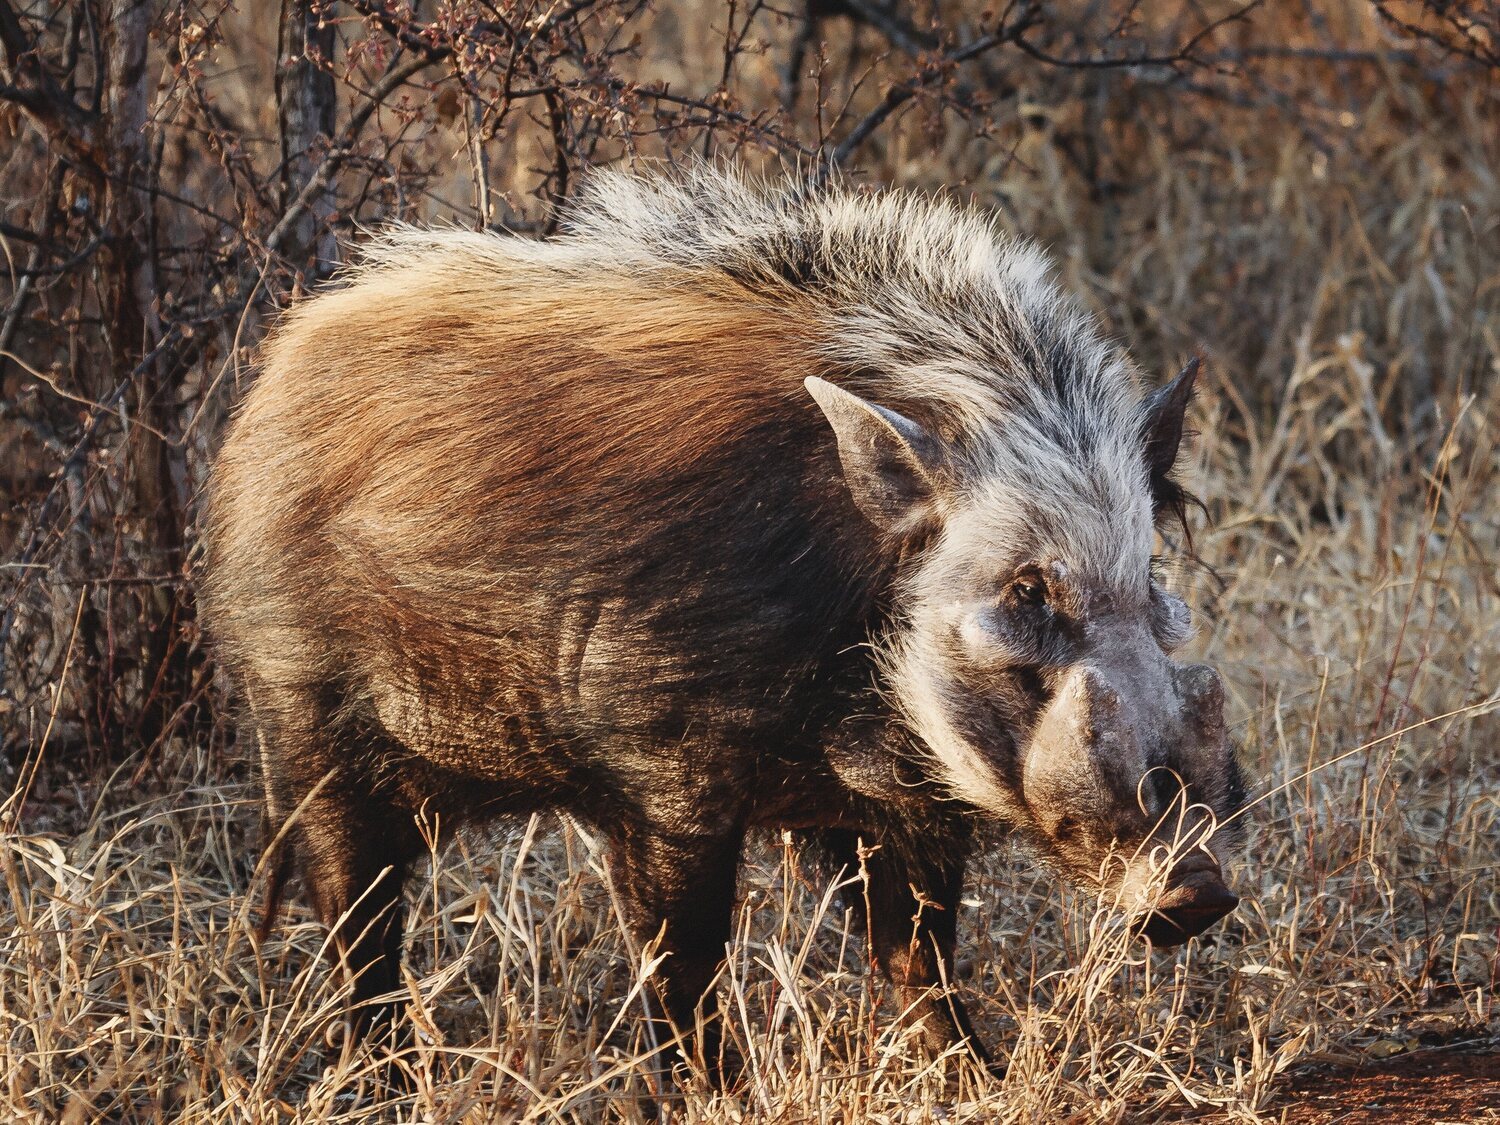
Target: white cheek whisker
[960,767]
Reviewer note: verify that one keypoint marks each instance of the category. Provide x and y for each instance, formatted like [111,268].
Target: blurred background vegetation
[1306,192]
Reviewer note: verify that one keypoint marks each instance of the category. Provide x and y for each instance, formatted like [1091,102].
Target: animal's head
[1032,649]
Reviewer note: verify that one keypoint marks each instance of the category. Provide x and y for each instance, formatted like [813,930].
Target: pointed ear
[1161,428]
[890,463]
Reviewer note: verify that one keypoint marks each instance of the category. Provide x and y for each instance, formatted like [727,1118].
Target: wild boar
[737,505]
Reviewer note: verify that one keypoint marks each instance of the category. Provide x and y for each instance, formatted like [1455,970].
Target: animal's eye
[1029,588]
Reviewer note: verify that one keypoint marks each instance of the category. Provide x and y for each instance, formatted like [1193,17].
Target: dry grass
[1335,268]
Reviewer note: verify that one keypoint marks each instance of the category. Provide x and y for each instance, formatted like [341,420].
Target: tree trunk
[305,103]
[134,327]
[127,217]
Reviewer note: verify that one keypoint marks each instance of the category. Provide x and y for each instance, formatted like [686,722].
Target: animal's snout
[1195,898]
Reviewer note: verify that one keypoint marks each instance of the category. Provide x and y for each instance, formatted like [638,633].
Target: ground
[1439,1085]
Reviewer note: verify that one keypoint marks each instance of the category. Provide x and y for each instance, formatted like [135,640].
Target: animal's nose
[1194,900]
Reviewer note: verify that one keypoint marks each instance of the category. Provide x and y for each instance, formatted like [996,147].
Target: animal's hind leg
[351,842]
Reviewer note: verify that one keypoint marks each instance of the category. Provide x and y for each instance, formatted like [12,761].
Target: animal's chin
[1192,904]
[1161,931]
[1187,908]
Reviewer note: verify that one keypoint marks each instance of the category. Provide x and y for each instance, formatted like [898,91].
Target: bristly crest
[924,306]
[935,308]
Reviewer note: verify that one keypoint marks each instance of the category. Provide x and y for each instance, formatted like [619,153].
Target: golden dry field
[1313,204]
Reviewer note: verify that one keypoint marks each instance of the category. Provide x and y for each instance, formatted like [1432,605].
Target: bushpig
[736,506]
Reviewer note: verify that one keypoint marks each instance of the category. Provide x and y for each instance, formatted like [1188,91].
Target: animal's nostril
[1165,787]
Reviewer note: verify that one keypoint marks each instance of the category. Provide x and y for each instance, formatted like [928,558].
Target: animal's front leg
[681,888]
[912,896]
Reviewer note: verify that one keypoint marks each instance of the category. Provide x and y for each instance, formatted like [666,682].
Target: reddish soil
[1437,1087]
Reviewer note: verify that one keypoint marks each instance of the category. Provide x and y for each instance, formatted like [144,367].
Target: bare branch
[66,125]
[1469,31]
[1183,54]
[305,106]
[901,93]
